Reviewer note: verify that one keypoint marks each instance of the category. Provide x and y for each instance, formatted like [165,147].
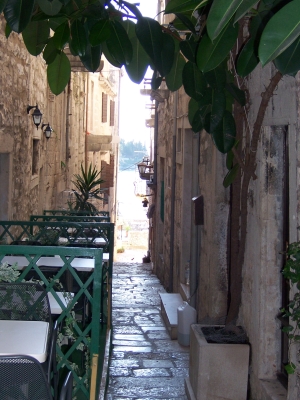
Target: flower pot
[216,370]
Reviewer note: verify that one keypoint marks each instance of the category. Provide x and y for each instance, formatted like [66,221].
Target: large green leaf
[61,35]
[176,6]
[156,80]
[198,122]
[207,97]
[217,77]
[2,5]
[167,53]
[110,57]
[129,27]
[79,37]
[192,109]
[137,68]
[8,31]
[100,32]
[193,81]
[237,93]
[95,11]
[247,60]
[54,23]
[218,109]
[230,156]
[35,36]
[149,33]
[280,32]
[50,51]
[211,54]
[58,73]
[92,57]
[18,13]
[188,49]
[174,78]
[289,61]
[224,135]
[219,15]
[119,44]
[244,7]
[231,175]
[50,7]
[186,21]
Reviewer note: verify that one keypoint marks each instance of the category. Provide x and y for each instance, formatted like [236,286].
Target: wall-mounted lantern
[36,115]
[145,168]
[48,130]
[142,167]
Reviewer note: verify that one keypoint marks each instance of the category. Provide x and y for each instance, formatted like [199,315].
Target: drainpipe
[68,126]
[86,121]
[155,146]
[173,182]
[68,122]
[195,233]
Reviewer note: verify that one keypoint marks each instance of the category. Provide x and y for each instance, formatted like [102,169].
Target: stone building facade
[189,184]
[36,173]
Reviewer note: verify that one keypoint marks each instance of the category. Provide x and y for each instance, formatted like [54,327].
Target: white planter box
[217,371]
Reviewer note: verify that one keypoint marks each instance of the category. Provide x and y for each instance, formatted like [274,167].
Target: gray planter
[216,370]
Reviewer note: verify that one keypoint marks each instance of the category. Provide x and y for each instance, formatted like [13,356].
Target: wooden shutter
[112,113]
[104,107]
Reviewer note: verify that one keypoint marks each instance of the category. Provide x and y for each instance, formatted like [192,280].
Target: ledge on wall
[98,142]
[273,389]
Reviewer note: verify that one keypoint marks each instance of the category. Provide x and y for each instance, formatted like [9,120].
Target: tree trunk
[239,217]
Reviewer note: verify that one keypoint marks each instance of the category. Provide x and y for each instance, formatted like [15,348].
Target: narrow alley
[145,362]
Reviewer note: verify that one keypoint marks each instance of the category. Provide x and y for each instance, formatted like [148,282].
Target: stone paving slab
[145,363]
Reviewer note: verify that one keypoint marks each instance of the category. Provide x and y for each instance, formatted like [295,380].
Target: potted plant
[87,187]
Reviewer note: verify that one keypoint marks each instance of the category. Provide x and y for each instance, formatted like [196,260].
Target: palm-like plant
[88,187]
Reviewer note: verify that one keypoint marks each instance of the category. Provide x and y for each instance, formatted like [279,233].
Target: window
[92,106]
[104,107]
[112,113]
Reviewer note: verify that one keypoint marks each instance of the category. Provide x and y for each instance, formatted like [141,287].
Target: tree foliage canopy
[198,50]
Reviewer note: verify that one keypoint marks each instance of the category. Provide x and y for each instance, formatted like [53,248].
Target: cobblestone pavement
[145,362]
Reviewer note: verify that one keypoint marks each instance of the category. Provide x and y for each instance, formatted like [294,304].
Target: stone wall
[273,203]
[273,207]
[37,173]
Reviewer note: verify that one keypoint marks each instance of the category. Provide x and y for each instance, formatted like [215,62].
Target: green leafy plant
[88,187]
[291,272]
[9,273]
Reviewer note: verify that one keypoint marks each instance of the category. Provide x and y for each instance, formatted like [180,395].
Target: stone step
[169,304]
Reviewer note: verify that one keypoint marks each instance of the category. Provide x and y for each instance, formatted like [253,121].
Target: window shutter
[104,107]
[112,113]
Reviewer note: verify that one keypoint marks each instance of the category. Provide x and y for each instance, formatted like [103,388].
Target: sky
[132,104]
